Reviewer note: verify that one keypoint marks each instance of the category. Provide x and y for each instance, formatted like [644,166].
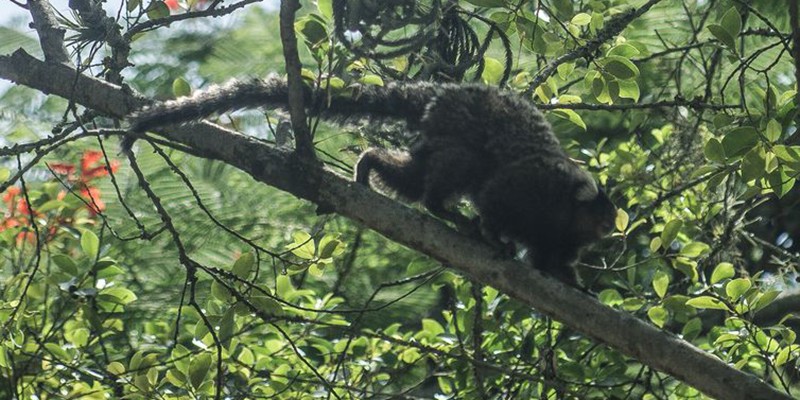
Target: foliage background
[687,117]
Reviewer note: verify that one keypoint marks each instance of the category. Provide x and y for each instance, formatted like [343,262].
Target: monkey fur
[475,141]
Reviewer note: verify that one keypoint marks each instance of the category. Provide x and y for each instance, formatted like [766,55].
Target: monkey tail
[405,101]
[233,95]
[395,172]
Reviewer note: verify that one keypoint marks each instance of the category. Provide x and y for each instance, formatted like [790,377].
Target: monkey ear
[587,192]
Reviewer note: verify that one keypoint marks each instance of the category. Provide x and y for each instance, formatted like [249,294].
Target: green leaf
[773,131]
[90,244]
[198,369]
[65,264]
[632,304]
[784,354]
[655,244]
[658,315]
[226,327]
[597,22]
[136,360]
[723,270]
[732,22]
[152,376]
[156,10]
[180,87]
[766,342]
[707,302]
[267,305]
[568,99]
[57,351]
[628,90]
[432,327]
[371,79]
[581,19]
[722,35]
[303,246]
[570,116]
[622,220]
[687,267]
[109,271]
[117,295]
[670,232]
[330,246]
[283,286]
[623,50]
[766,299]
[246,357]
[739,141]
[335,83]
[788,154]
[492,71]
[780,182]
[565,70]
[714,151]
[620,67]
[722,120]
[115,368]
[244,265]
[410,355]
[220,292]
[79,337]
[727,340]
[736,288]
[309,77]
[610,297]
[692,329]
[695,249]
[661,283]
[597,84]
[325,8]
[312,30]
[754,164]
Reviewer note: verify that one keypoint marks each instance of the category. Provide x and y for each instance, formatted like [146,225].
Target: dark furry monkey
[475,141]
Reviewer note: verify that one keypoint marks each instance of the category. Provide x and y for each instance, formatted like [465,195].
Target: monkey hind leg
[449,175]
[396,172]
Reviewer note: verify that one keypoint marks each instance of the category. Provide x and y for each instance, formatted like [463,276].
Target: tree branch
[51,36]
[297,111]
[622,331]
[214,12]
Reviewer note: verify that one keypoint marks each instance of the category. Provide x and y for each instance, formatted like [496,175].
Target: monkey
[478,142]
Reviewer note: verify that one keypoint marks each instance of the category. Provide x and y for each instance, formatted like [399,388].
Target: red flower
[9,223]
[90,169]
[63,168]
[31,236]
[23,206]
[172,5]
[89,158]
[92,166]
[10,194]
[92,195]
